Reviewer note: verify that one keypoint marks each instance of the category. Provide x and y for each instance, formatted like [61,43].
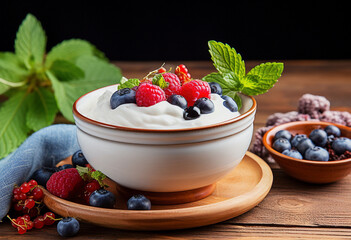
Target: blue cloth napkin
[45,147]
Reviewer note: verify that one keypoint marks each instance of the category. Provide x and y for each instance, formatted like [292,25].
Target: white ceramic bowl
[165,160]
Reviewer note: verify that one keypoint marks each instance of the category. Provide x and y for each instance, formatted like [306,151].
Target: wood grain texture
[292,209]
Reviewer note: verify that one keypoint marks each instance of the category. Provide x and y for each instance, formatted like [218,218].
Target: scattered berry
[49,218]
[78,159]
[191,113]
[39,222]
[216,88]
[317,153]
[139,202]
[177,100]
[281,144]
[102,198]
[205,105]
[65,184]
[174,84]
[230,103]
[318,137]
[68,227]
[148,95]
[194,90]
[122,96]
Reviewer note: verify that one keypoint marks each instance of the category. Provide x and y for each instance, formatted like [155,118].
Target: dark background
[179,30]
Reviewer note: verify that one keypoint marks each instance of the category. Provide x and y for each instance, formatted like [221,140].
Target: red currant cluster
[27,200]
[183,74]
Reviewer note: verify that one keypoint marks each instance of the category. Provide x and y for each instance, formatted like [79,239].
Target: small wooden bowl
[307,170]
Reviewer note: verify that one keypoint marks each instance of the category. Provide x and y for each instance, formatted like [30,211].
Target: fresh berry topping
[292,153]
[283,134]
[139,202]
[230,103]
[65,184]
[215,88]
[194,90]
[341,145]
[102,198]
[318,137]
[177,100]
[68,227]
[205,105]
[148,95]
[332,130]
[281,144]
[182,72]
[174,84]
[317,153]
[42,175]
[191,113]
[78,159]
[122,96]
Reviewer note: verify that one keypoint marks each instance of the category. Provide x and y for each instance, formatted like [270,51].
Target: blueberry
[281,144]
[79,159]
[283,134]
[205,105]
[42,175]
[230,103]
[191,113]
[304,144]
[318,137]
[332,130]
[296,139]
[178,100]
[63,167]
[317,153]
[292,153]
[215,88]
[341,145]
[122,96]
[68,227]
[102,198]
[138,202]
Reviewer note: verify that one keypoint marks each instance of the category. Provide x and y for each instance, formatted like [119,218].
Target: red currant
[16,191]
[26,217]
[22,196]
[39,222]
[21,229]
[49,218]
[37,194]
[29,203]
[161,70]
[33,212]
[92,186]
[18,207]
[32,183]
[30,225]
[25,187]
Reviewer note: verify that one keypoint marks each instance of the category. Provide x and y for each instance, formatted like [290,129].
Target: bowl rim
[77,114]
[285,125]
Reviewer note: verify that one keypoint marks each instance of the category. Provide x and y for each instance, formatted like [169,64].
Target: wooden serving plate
[238,192]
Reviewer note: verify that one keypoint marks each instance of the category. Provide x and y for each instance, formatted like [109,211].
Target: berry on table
[39,222]
[122,96]
[49,218]
[42,175]
[281,144]
[317,153]
[102,198]
[230,103]
[149,94]
[177,100]
[138,202]
[78,159]
[68,227]
[205,105]
[194,90]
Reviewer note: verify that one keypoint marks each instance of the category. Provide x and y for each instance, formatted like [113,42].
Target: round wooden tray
[238,192]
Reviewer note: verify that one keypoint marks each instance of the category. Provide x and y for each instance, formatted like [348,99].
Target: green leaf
[236,98]
[42,109]
[11,62]
[261,78]
[87,174]
[30,42]
[226,59]
[13,128]
[66,71]
[228,81]
[71,50]
[98,73]
[159,80]
[9,79]
[130,83]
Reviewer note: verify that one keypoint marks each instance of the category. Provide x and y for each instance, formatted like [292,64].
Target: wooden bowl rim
[301,123]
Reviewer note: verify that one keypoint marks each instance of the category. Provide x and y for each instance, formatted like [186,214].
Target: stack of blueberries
[314,146]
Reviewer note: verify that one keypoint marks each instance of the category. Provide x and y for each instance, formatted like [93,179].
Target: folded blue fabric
[45,147]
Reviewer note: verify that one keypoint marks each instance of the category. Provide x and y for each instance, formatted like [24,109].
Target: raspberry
[174,84]
[194,90]
[148,95]
[65,184]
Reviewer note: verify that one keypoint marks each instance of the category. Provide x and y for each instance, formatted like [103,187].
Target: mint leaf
[42,109]
[226,59]
[9,79]
[87,174]
[71,50]
[13,123]
[159,80]
[66,71]
[11,62]
[30,42]
[261,78]
[99,176]
[130,83]
[228,81]
[97,73]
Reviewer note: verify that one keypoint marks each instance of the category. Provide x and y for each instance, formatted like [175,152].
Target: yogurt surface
[163,115]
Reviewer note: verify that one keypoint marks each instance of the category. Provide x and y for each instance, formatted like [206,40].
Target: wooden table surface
[292,209]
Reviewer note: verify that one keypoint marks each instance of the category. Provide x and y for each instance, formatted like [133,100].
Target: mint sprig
[38,85]
[87,174]
[232,74]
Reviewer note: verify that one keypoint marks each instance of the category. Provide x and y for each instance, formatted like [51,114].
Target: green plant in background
[37,85]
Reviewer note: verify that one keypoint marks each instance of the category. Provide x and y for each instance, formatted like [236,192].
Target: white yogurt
[162,115]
